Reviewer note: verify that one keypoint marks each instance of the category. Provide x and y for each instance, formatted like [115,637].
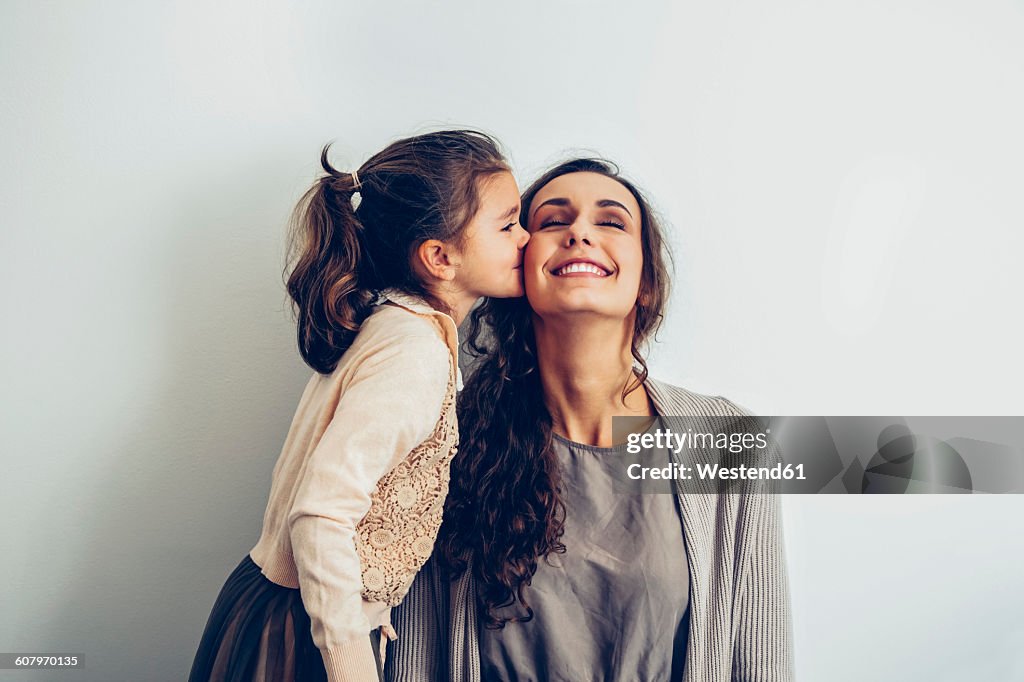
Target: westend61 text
[715,472]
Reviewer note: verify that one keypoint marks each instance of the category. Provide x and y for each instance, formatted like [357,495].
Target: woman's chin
[588,305]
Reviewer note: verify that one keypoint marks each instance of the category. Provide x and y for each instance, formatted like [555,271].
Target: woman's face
[584,253]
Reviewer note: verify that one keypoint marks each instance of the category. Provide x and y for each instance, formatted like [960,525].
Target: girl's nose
[523,238]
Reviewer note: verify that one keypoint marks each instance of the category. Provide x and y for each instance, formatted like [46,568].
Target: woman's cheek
[633,267]
[531,260]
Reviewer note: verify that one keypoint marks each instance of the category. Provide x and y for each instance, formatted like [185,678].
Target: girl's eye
[508,227]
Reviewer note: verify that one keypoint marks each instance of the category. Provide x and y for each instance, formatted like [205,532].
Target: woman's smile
[580,267]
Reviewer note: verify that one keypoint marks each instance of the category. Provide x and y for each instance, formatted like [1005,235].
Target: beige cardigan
[358,491]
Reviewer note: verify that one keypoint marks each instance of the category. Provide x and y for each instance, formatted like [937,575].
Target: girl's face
[585,253]
[492,255]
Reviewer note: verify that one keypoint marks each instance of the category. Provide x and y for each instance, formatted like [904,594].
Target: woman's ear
[436,260]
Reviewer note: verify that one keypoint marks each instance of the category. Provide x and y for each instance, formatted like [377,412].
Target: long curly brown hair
[504,510]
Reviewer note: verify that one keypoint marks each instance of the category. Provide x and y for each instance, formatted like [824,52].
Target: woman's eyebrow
[605,203]
[557,201]
[601,203]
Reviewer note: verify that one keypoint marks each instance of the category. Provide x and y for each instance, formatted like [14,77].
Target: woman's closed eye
[554,222]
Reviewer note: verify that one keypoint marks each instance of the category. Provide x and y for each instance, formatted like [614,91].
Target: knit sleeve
[762,644]
[389,405]
[762,649]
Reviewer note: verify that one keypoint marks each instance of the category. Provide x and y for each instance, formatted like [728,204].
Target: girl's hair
[419,188]
[504,510]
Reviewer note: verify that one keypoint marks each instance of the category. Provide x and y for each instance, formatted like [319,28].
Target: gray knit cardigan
[740,626]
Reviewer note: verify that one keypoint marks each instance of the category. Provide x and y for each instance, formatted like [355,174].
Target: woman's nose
[578,232]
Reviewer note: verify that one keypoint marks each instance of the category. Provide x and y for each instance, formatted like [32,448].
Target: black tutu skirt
[258,632]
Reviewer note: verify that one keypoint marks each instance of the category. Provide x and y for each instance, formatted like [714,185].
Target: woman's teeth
[581,267]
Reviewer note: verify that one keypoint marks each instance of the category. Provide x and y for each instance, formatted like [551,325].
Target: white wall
[843,184]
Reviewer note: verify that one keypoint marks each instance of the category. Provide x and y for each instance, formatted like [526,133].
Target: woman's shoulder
[678,401]
[685,409]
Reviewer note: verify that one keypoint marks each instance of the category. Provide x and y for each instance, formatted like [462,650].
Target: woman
[568,580]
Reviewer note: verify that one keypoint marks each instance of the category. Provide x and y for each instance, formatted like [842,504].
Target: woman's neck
[585,363]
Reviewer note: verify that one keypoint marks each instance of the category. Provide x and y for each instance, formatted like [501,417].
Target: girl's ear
[436,260]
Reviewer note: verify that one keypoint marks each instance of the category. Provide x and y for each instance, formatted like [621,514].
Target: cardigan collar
[414,303]
[656,390]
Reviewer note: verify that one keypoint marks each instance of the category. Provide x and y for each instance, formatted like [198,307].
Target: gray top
[740,620]
[614,606]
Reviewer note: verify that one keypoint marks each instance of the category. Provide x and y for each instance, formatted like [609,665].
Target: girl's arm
[389,406]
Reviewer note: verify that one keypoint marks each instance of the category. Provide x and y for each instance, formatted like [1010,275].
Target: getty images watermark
[800,455]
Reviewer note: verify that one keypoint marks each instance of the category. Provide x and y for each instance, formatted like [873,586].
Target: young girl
[358,492]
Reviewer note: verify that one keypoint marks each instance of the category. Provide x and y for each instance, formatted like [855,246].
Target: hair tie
[355,181]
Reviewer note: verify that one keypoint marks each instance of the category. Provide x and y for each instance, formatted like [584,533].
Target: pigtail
[326,248]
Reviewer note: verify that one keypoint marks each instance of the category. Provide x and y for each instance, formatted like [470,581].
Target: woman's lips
[580,269]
